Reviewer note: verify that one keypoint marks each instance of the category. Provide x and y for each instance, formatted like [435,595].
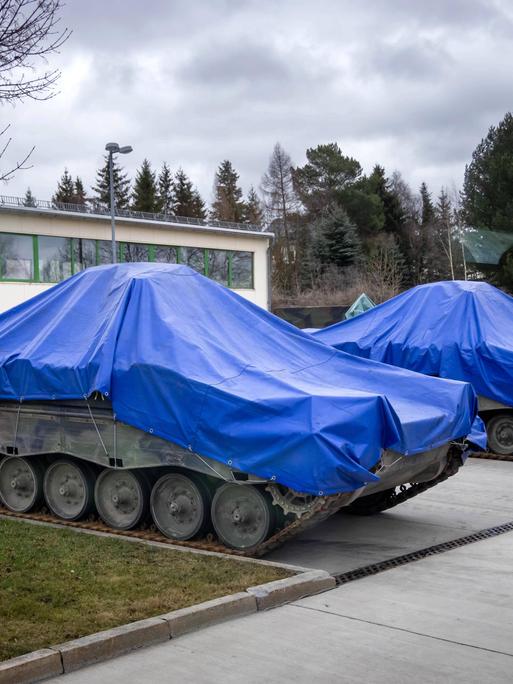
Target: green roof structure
[485,247]
[361,304]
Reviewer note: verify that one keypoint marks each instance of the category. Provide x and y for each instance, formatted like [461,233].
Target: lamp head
[112,147]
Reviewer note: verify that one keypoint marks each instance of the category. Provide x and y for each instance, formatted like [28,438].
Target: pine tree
[166,199]
[444,220]
[488,185]
[29,200]
[145,193]
[121,186]
[79,195]
[338,243]
[253,212]
[394,217]
[328,172]
[428,210]
[65,189]
[187,200]
[199,209]
[227,204]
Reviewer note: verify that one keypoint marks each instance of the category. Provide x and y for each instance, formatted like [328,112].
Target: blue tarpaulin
[457,329]
[188,360]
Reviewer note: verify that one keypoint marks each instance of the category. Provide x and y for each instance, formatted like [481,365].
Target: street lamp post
[112,149]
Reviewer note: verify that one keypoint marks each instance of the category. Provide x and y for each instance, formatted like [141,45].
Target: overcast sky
[410,84]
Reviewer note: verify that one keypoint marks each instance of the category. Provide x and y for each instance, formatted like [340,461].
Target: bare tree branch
[20,165]
[29,32]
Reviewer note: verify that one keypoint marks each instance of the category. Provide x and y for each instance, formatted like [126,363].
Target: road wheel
[499,431]
[243,515]
[121,498]
[21,483]
[69,489]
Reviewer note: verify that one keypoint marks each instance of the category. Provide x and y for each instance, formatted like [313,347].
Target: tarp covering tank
[188,360]
[456,329]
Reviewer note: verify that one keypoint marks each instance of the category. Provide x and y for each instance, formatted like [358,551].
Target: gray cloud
[413,86]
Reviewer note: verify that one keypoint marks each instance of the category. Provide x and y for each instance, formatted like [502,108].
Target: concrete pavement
[447,618]
[477,497]
[443,619]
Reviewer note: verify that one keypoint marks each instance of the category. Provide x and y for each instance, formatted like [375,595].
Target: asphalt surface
[447,618]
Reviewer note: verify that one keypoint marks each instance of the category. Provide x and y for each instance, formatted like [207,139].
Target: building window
[166,255]
[217,265]
[193,257]
[16,257]
[242,270]
[104,251]
[134,251]
[84,254]
[54,258]
[49,259]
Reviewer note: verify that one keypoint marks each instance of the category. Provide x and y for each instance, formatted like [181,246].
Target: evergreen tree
[29,200]
[444,221]
[252,212]
[488,185]
[187,200]
[199,209]
[166,200]
[121,186]
[327,172]
[79,195]
[227,204]
[329,178]
[145,193]
[428,210]
[443,209]
[338,243]
[393,214]
[65,189]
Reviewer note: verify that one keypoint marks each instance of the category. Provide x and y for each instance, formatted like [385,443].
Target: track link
[491,456]
[406,492]
[323,509]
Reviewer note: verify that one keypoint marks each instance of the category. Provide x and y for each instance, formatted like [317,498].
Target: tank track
[398,495]
[321,510]
[491,456]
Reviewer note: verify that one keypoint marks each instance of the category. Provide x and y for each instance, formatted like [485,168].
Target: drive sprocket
[290,501]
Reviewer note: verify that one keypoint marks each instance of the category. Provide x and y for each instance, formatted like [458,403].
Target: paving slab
[475,498]
[464,595]
[442,619]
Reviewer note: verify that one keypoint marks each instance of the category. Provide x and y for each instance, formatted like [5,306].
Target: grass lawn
[57,585]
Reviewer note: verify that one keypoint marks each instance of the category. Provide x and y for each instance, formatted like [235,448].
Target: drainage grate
[376,568]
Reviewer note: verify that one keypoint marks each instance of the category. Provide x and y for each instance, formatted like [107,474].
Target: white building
[44,244]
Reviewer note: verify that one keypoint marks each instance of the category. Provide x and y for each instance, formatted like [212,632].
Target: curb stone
[94,648]
[282,591]
[217,610]
[31,667]
[111,642]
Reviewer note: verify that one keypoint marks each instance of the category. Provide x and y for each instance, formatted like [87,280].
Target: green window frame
[32,256]
[102,257]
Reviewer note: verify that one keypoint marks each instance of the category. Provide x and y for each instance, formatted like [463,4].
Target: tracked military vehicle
[147,394]
[456,329]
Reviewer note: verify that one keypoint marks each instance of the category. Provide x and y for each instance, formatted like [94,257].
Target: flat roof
[16,205]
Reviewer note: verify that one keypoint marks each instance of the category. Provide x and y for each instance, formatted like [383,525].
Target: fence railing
[94,207]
